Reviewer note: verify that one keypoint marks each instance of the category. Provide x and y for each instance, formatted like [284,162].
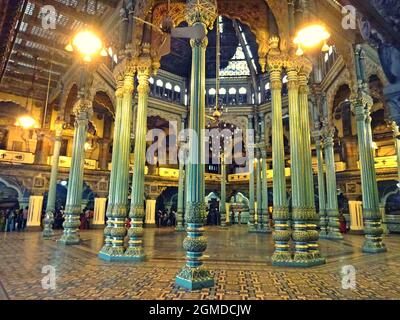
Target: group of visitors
[166,218]
[13,220]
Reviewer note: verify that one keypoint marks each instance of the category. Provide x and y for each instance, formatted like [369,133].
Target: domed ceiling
[179,61]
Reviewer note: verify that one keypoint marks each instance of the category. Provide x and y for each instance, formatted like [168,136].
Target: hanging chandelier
[218,109]
[312,36]
[87,42]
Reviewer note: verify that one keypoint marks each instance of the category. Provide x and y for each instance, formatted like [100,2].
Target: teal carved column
[83,112]
[105,250]
[252,213]
[181,187]
[135,251]
[305,235]
[307,171]
[222,204]
[371,213]
[193,275]
[119,210]
[263,225]
[323,220]
[282,232]
[332,207]
[51,197]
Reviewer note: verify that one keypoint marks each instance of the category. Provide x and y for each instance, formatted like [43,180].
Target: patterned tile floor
[239,261]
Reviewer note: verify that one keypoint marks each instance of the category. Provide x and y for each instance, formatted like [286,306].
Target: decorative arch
[342,79]
[387,195]
[254,14]
[12,183]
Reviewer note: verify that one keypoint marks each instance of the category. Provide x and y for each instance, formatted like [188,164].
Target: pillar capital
[201,11]
[83,109]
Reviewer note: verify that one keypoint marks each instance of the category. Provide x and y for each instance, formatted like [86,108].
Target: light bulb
[103,52]
[69,47]
[299,51]
[87,59]
[325,47]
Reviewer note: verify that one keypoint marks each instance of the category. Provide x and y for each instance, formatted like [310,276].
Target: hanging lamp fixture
[87,42]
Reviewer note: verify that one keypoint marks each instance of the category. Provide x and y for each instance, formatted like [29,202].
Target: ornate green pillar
[305,235]
[193,275]
[372,216]
[181,187]
[222,204]
[117,210]
[83,112]
[307,171]
[263,225]
[323,224]
[135,251]
[252,213]
[104,252]
[331,188]
[51,196]
[282,232]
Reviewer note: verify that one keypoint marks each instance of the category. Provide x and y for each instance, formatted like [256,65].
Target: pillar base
[323,235]
[369,247]
[120,258]
[262,229]
[48,234]
[334,236]
[281,259]
[194,278]
[252,228]
[306,263]
[69,240]
[135,254]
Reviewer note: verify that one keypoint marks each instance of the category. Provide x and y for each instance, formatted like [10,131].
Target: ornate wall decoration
[281,14]
[373,68]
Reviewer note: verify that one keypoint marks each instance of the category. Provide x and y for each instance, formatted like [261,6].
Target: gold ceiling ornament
[204,11]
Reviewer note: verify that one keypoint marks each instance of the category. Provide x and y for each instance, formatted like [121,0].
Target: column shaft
[193,275]
[282,231]
[114,169]
[321,188]
[135,250]
[372,216]
[51,196]
[331,188]
[83,111]
[222,204]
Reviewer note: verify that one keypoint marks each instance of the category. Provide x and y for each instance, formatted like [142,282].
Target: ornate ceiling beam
[55,57]
[40,64]
[10,18]
[40,74]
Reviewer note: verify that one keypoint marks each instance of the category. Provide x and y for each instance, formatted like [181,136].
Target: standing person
[19,219]
[7,220]
[14,214]
[25,218]
[342,222]
[2,220]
